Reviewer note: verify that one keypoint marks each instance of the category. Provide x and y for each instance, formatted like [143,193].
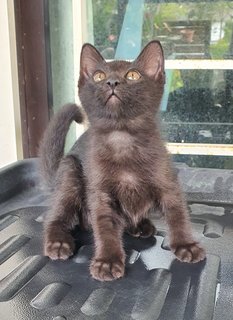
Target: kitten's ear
[90,58]
[151,60]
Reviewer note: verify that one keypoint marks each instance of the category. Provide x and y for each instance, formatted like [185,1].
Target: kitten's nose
[113,83]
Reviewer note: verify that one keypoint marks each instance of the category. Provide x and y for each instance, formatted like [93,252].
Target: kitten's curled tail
[52,145]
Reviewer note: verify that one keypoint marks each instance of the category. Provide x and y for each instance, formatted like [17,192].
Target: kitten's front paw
[107,269]
[61,248]
[190,253]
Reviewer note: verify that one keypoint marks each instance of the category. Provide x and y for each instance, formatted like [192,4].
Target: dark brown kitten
[123,171]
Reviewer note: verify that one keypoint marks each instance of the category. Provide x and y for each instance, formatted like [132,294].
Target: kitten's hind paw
[59,249]
[145,229]
[190,253]
[107,270]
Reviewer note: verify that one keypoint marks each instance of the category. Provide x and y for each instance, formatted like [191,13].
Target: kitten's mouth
[113,98]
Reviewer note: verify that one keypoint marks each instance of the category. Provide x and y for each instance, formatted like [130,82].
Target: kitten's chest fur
[123,150]
[123,161]
[124,156]
[121,144]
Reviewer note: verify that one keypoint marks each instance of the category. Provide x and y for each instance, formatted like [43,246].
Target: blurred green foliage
[104,21]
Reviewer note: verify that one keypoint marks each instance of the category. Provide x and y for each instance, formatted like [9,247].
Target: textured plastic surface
[156,285]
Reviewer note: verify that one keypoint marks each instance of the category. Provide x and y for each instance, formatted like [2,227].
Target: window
[197,37]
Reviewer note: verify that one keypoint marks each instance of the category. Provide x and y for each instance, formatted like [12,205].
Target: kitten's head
[121,89]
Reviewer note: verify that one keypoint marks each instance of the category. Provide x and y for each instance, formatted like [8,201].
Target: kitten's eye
[133,75]
[99,76]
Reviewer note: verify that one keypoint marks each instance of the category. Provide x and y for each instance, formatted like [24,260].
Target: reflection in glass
[187,30]
[197,105]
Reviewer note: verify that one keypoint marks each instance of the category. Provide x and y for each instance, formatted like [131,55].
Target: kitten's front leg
[109,258]
[65,206]
[182,242]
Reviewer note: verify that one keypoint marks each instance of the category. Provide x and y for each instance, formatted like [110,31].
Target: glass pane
[187,30]
[61,57]
[197,105]
[197,37]
[199,108]
[198,29]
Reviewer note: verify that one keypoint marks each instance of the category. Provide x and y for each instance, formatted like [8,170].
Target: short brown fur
[125,170]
